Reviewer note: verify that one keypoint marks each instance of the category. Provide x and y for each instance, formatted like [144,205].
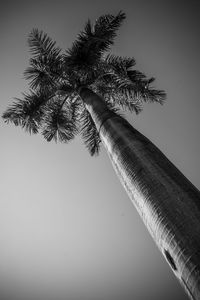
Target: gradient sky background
[67,228]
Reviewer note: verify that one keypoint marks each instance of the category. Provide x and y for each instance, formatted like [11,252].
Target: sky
[68,231]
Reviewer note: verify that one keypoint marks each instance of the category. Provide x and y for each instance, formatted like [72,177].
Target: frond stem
[63,102]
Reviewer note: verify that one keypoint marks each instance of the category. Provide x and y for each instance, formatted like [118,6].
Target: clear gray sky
[67,228]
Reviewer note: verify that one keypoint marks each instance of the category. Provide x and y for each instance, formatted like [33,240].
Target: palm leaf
[105,29]
[126,103]
[120,64]
[118,89]
[89,133]
[142,87]
[42,45]
[91,43]
[44,72]
[128,87]
[58,124]
[27,112]
[38,75]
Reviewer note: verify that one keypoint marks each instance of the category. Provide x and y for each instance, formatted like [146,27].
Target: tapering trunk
[166,200]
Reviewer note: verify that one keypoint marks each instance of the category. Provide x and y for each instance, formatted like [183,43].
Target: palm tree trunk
[166,200]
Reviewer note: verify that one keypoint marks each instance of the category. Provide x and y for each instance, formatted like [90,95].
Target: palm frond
[44,72]
[144,90]
[64,87]
[45,68]
[89,133]
[91,43]
[153,95]
[27,112]
[82,53]
[118,89]
[42,45]
[105,29]
[119,99]
[128,87]
[76,110]
[58,124]
[136,76]
[119,64]
[38,75]
[115,70]
[127,103]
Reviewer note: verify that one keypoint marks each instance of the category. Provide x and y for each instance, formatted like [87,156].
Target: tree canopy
[53,105]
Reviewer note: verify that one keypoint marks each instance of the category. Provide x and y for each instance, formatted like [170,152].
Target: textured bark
[166,200]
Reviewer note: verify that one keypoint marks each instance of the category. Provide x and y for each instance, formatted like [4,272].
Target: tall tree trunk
[166,200]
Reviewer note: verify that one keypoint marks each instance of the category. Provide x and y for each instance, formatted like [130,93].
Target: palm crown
[53,104]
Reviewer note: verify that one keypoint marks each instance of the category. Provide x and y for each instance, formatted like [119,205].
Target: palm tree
[81,91]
